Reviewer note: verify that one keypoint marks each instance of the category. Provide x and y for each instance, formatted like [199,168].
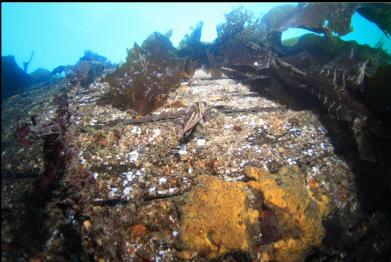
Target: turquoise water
[58,33]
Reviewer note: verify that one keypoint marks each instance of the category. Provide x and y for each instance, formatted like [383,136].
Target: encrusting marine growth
[217,217]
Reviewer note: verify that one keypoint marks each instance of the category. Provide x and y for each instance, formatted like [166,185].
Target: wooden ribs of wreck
[328,86]
[174,116]
[334,98]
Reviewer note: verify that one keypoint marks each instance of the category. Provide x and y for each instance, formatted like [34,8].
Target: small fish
[13,97]
[195,114]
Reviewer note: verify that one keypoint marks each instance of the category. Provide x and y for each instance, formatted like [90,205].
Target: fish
[13,97]
[194,114]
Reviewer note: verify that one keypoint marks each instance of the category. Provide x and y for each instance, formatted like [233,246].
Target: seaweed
[319,18]
[378,13]
[21,135]
[58,70]
[91,56]
[150,72]
[239,39]
[328,19]
[191,46]
[325,18]
[89,67]
[26,64]
[53,142]
[53,157]
[87,71]
[236,22]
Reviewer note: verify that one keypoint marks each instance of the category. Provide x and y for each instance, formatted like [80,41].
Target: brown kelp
[26,64]
[192,47]
[150,72]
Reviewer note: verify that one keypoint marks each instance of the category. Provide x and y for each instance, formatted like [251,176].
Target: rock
[13,78]
[40,75]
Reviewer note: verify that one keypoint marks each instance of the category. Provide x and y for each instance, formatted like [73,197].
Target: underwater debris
[195,114]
